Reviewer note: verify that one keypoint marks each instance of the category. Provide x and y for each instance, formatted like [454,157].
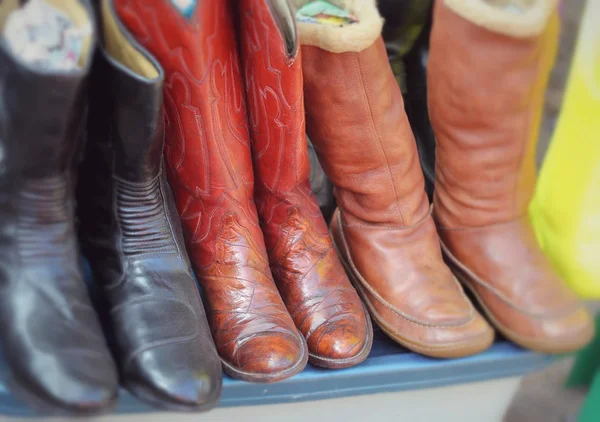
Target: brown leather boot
[488,70]
[305,265]
[383,228]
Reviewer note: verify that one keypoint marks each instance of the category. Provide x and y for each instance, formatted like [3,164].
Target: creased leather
[141,217]
[305,266]
[132,238]
[207,152]
[485,103]
[52,343]
[382,229]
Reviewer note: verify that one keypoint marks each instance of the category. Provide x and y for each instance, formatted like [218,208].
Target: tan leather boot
[488,70]
[383,229]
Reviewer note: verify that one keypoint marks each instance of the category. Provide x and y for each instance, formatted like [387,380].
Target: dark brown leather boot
[52,343]
[304,263]
[383,228]
[131,234]
[208,158]
[487,74]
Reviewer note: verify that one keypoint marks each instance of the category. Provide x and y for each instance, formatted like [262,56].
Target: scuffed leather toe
[269,357]
[175,376]
[567,334]
[341,343]
[84,384]
[524,298]
[563,333]
[453,339]
[58,331]
[466,339]
[87,398]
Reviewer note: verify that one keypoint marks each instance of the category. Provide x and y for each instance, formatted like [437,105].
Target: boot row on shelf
[194,117]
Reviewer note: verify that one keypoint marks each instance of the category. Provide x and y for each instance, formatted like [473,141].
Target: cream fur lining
[527,24]
[354,37]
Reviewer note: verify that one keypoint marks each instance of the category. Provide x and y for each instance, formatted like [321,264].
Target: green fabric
[587,363]
[320,11]
[586,372]
[590,412]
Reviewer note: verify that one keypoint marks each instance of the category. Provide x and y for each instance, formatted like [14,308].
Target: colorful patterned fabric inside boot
[44,36]
[185,7]
[323,12]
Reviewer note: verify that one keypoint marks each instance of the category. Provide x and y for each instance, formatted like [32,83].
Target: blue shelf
[389,368]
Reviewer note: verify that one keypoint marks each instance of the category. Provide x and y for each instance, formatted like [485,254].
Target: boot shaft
[43,109]
[126,104]
[42,112]
[207,131]
[125,203]
[356,121]
[486,91]
[273,76]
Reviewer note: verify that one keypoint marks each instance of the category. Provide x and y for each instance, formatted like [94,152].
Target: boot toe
[557,335]
[453,339]
[269,357]
[175,378]
[78,386]
[341,343]
[461,340]
[90,399]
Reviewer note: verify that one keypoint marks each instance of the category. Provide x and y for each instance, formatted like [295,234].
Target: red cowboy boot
[210,169]
[488,70]
[305,265]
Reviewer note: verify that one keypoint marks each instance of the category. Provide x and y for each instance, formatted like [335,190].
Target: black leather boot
[321,185]
[56,358]
[130,232]
[404,22]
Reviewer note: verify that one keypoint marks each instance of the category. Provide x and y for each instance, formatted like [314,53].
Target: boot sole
[330,363]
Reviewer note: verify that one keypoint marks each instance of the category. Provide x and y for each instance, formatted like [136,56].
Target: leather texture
[486,115]
[210,169]
[304,263]
[383,228]
[131,235]
[56,356]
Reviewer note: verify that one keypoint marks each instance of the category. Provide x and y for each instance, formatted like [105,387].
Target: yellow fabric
[119,47]
[566,207]
[528,171]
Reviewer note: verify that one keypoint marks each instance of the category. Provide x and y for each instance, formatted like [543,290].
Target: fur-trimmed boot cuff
[515,18]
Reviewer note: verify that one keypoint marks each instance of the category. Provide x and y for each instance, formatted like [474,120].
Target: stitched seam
[366,285]
[469,274]
[507,332]
[376,134]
